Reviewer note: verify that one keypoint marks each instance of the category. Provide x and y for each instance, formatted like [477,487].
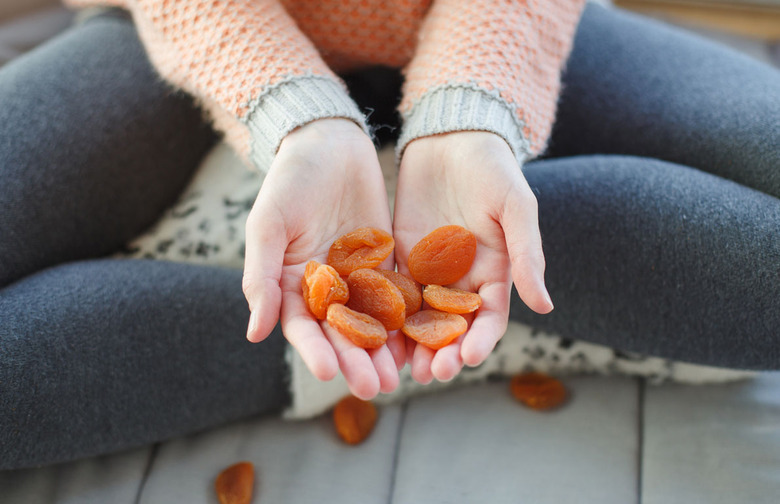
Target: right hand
[471,178]
[324,182]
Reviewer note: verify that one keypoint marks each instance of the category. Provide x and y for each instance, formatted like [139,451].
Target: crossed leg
[658,201]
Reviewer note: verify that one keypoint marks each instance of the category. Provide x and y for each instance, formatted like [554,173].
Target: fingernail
[253,323]
[549,300]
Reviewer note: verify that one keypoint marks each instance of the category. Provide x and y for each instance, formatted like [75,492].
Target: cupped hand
[472,179]
[324,182]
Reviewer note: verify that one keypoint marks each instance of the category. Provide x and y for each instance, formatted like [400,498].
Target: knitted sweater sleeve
[492,65]
[246,62]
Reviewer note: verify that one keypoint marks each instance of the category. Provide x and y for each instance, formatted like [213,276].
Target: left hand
[472,179]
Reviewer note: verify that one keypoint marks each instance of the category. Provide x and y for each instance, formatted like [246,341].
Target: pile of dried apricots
[363,303]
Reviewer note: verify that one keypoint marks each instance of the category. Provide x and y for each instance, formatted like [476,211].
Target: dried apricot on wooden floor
[362,248]
[434,329]
[234,485]
[411,290]
[354,419]
[443,256]
[373,294]
[451,300]
[538,391]
[361,329]
[322,286]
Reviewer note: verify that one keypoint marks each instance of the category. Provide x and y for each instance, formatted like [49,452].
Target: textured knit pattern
[233,54]
[512,50]
[354,33]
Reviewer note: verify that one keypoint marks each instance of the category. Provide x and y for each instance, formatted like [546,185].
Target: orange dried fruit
[322,286]
[373,294]
[538,391]
[443,256]
[434,329]
[354,419]
[362,248]
[234,485]
[361,329]
[451,300]
[411,290]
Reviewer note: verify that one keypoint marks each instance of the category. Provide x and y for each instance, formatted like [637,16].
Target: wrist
[333,148]
[470,149]
[325,130]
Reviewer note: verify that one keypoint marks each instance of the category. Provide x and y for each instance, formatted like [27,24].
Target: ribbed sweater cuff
[291,104]
[463,108]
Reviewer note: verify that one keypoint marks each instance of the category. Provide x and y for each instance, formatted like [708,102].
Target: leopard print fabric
[206,224]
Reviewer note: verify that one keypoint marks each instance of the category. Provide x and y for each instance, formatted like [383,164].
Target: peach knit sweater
[261,68]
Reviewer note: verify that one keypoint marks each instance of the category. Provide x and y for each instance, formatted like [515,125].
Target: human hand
[472,179]
[324,182]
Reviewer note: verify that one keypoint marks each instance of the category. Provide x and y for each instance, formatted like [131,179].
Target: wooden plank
[14,8]
[749,20]
[295,462]
[477,444]
[712,444]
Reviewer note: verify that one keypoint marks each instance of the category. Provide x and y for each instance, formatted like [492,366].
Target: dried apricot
[434,329]
[234,485]
[354,419]
[451,300]
[362,248]
[363,330]
[443,256]
[373,294]
[322,286]
[538,391]
[411,290]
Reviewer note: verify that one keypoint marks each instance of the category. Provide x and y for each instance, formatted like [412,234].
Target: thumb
[520,222]
[266,244]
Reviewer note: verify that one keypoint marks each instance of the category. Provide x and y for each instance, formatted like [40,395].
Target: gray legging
[658,209]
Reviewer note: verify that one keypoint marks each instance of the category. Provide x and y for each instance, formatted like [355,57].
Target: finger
[410,346]
[524,243]
[264,256]
[396,343]
[305,335]
[489,324]
[447,362]
[386,369]
[356,365]
[421,364]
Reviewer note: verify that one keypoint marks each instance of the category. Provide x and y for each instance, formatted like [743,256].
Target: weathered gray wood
[478,445]
[295,462]
[713,444]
